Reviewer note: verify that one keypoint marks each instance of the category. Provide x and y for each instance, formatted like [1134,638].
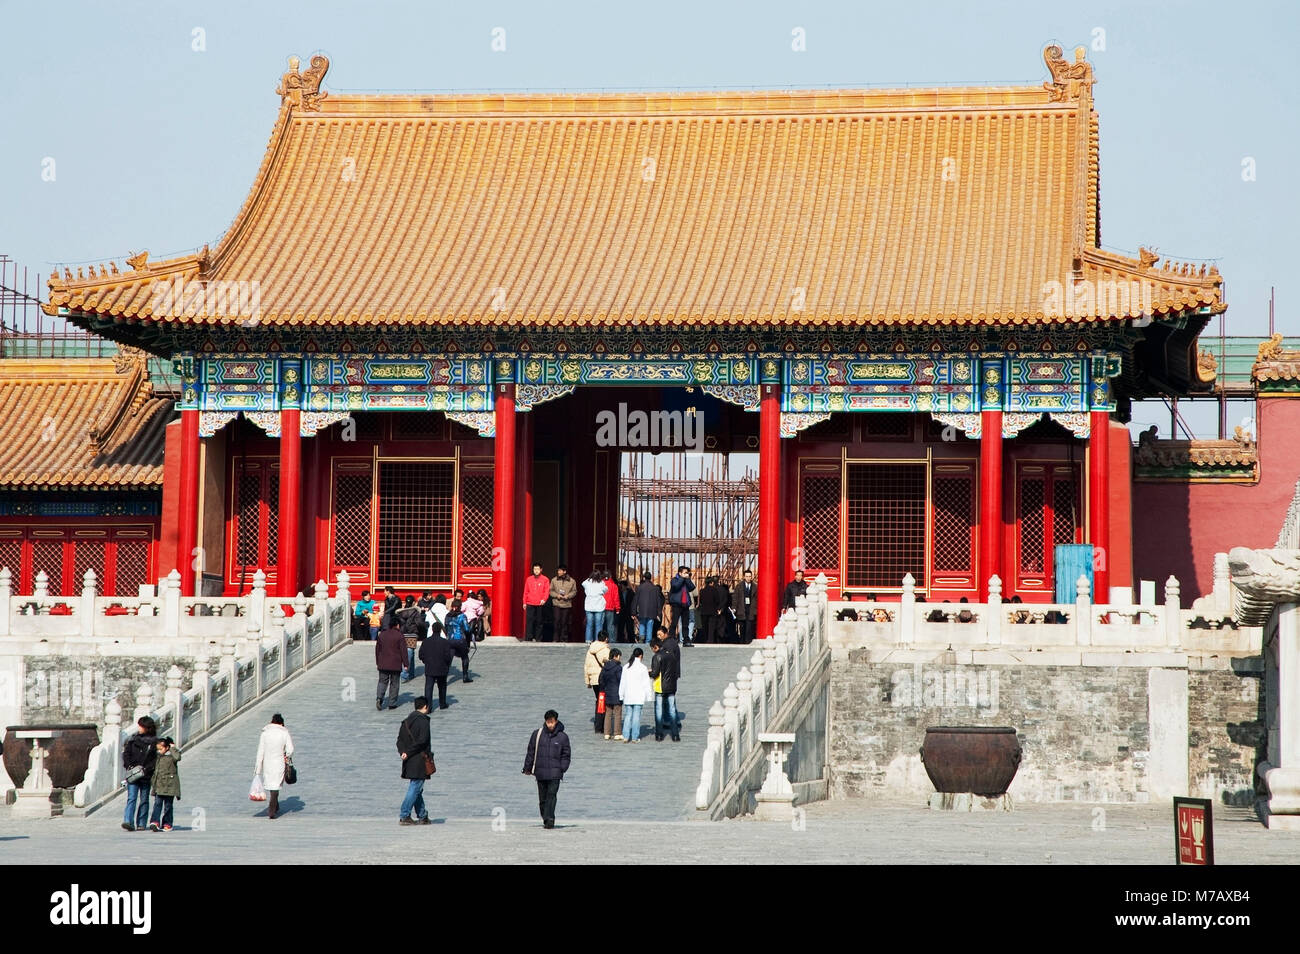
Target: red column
[310,540]
[290,501]
[990,499]
[1099,504]
[187,538]
[769,510]
[503,522]
[523,545]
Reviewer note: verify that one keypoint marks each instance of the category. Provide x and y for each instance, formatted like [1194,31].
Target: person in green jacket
[166,785]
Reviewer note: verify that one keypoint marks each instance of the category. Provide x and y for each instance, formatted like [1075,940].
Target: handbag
[429,767]
[135,775]
[290,773]
[600,704]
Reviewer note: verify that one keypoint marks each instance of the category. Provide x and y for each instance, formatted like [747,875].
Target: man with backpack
[679,602]
[415,745]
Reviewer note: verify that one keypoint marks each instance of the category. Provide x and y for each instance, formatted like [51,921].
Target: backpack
[456,628]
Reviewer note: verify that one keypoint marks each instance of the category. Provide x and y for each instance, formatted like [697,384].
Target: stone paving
[635,799]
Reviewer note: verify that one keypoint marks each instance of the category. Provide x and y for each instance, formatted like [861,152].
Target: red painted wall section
[1178,527]
[1121,508]
[168,537]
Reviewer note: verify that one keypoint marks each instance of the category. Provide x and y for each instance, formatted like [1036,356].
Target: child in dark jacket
[610,674]
[166,785]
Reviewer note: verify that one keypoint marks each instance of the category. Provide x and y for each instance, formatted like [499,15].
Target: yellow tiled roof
[944,206]
[91,423]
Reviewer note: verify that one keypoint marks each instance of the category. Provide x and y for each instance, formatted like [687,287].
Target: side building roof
[86,424]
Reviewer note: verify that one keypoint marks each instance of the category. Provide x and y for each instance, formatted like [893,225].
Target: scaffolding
[688,510]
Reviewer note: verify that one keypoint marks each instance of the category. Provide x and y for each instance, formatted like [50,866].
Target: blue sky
[155,143]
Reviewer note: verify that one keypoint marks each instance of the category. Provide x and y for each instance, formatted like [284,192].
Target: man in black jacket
[708,609]
[747,608]
[547,759]
[667,668]
[436,653]
[392,603]
[390,660]
[797,587]
[415,745]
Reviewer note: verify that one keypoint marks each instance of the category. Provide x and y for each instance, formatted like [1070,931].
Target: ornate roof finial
[1067,78]
[302,90]
[138,260]
[1147,257]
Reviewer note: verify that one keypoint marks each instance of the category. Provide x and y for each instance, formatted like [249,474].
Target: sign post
[1193,831]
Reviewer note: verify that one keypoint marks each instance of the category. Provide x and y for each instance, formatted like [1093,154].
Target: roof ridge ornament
[1067,78]
[302,90]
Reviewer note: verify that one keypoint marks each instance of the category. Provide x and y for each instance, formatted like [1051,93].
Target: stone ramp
[347,756]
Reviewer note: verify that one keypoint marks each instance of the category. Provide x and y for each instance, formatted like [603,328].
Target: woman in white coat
[274,748]
[635,690]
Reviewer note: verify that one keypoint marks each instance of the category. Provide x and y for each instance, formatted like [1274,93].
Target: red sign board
[1193,831]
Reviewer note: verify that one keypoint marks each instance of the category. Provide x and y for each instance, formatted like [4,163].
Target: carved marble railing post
[203,684]
[1083,611]
[1174,609]
[276,630]
[758,688]
[256,608]
[1281,771]
[229,667]
[769,675]
[781,641]
[41,586]
[320,596]
[745,710]
[907,612]
[993,615]
[173,696]
[6,593]
[143,701]
[343,591]
[1222,586]
[731,731]
[87,609]
[171,611]
[803,629]
[300,621]
[113,734]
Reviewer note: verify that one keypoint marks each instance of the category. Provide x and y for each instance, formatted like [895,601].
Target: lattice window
[954,520]
[89,555]
[476,502]
[1031,525]
[886,426]
[248,509]
[273,518]
[820,509]
[11,556]
[47,555]
[886,524]
[132,567]
[835,428]
[419,426]
[1063,510]
[415,520]
[352,519]
[370,426]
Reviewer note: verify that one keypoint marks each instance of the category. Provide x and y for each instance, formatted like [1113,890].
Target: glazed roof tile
[937,206]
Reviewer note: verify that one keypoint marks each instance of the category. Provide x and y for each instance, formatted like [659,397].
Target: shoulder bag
[290,773]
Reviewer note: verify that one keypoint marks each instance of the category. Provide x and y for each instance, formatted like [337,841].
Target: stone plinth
[776,797]
[969,802]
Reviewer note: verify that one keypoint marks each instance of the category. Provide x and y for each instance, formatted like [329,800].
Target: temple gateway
[394,361]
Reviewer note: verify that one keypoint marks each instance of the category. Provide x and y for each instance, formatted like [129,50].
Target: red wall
[1178,527]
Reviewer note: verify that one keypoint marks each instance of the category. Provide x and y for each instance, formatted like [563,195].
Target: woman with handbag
[139,756]
[274,755]
[634,690]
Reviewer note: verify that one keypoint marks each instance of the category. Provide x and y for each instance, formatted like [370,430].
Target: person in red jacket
[612,606]
[537,590]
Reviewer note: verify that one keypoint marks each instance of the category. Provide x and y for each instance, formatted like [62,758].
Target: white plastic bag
[257,792]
